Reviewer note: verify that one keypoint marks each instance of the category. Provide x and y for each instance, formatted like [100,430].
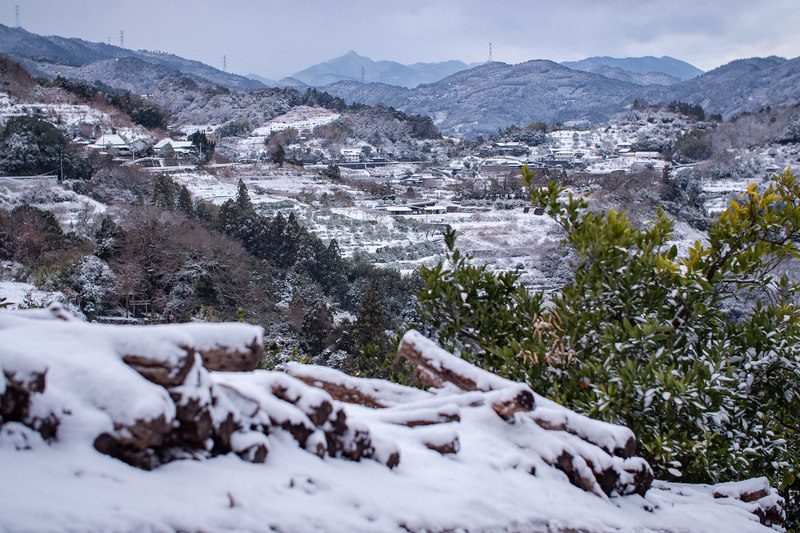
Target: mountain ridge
[40,55]
[469,102]
[641,66]
[354,67]
[495,95]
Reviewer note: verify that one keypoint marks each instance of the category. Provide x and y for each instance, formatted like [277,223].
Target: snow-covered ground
[302,118]
[72,210]
[70,118]
[56,112]
[20,295]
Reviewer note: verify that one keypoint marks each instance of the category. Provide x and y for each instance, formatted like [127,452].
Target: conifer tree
[243,202]
[185,202]
[370,326]
[317,324]
[164,192]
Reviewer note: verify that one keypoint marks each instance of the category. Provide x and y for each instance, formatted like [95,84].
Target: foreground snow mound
[169,428]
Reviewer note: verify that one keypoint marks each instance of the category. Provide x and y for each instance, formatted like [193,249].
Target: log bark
[16,398]
[592,431]
[520,401]
[231,359]
[444,448]
[341,392]
[435,367]
[160,371]
[422,417]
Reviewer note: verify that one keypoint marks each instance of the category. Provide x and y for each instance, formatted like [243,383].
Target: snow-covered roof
[111,139]
[182,146]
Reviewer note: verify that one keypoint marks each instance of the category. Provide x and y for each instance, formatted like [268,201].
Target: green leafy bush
[698,354]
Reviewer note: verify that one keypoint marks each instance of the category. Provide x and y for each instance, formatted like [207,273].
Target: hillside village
[392,208]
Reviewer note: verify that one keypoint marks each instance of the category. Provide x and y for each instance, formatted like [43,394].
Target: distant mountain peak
[354,67]
[643,70]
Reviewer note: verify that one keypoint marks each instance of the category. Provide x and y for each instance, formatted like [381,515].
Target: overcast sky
[276,38]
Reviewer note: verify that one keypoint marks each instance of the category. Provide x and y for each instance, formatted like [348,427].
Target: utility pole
[17,10]
[122,38]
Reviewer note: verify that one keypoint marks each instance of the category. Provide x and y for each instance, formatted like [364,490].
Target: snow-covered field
[73,211]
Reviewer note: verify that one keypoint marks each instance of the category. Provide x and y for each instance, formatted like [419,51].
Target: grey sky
[275,38]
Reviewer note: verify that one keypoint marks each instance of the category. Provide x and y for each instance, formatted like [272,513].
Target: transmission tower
[17,10]
[490,52]
[224,63]
[122,38]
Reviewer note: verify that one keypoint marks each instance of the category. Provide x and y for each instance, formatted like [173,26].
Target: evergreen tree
[370,326]
[185,202]
[204,146]
[243,202]
[164,192]
[317,325]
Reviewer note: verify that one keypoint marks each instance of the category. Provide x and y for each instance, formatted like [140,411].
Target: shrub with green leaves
[699,354]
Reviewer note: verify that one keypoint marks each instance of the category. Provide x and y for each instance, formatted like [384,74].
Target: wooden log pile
[154,400]
[595,456]
[179,408]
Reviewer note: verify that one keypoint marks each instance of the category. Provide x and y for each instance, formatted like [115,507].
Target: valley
[570,281]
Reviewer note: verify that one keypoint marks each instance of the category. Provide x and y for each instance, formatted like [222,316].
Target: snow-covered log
[422,416]
[581,465]
[756,496]
[154,399]
[445,367]
[345,388]
[227,347]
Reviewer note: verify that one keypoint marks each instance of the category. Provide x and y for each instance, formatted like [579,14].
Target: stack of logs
[609,468]
[222,406]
